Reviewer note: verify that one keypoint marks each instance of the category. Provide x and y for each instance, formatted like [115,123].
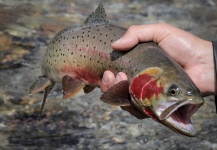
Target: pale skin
[194,54]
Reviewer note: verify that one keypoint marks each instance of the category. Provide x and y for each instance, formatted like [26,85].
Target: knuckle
[132,28]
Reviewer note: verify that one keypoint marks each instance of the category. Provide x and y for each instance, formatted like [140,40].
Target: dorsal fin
[98,16]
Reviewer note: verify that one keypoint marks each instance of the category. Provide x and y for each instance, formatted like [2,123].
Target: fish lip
[175,116]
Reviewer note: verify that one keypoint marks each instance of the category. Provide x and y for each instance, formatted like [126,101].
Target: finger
[107,81]
[142,33]
[120,77]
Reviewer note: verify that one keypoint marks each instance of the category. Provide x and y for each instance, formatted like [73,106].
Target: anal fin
[71,86]
[118,94]
[40,84]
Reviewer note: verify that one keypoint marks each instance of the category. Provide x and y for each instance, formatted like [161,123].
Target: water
[84,122]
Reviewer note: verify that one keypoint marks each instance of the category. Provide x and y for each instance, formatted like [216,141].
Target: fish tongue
[167,112]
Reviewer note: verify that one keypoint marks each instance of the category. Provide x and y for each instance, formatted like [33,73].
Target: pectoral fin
[47,91]
[117,95]
[88,89]
[135,112]
[71,86]
[39,85]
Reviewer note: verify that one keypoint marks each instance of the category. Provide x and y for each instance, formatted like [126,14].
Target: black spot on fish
[93,37]
[71,53]
[78,36]
[63,44]
[112,41]
[104,42]
[68,49]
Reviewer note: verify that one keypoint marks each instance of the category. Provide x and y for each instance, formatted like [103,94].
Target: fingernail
[118,41]
[105,80]
[118,78]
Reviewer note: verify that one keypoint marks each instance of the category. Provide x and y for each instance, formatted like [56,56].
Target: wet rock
[5,41]
[12,57]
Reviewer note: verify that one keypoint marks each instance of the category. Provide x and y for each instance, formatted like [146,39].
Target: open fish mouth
[177,117]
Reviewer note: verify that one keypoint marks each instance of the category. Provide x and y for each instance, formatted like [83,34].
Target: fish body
[157,86]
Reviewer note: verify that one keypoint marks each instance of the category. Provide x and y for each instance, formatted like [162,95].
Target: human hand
[195,55]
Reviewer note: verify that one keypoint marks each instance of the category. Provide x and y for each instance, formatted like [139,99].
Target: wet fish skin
[158,87]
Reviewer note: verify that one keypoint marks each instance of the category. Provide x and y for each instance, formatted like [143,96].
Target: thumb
[141,33]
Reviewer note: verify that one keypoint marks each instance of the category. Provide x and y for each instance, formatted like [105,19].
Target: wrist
[214,46]
[206,61]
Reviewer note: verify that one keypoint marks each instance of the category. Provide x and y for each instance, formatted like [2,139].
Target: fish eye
[174,90]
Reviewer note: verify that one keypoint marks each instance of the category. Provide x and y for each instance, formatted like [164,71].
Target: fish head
[168,96]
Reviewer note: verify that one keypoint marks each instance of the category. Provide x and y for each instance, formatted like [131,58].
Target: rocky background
[84,122]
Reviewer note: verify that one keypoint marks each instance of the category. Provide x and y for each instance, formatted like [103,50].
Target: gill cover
[145,86]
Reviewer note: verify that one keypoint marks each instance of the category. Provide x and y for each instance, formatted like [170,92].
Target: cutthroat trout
[158,87]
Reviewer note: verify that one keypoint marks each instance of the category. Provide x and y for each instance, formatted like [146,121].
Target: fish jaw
[175,114]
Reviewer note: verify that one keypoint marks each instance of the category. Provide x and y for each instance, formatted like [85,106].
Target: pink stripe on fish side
[83,74]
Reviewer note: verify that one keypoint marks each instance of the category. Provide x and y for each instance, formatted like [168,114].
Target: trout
[157,87]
